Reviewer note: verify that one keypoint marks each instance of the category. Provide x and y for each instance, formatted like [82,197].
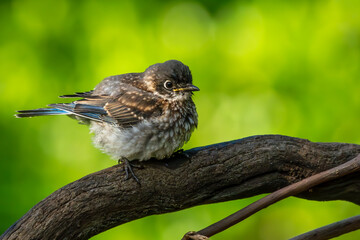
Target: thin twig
[332,230]
[291,190]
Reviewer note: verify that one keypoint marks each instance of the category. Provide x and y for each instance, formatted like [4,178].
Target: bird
[135,116]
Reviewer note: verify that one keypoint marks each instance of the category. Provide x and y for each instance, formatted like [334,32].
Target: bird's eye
[168,84]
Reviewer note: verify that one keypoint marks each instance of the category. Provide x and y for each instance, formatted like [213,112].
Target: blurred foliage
[263,67]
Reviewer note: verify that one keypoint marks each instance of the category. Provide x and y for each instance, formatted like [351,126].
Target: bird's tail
[96,113]
[41,112]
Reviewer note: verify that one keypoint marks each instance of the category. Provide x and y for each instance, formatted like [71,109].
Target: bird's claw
[180,153]
[128,167]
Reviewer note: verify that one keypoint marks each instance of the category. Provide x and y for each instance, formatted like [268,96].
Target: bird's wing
[132,107]
[124,110]
[78,95]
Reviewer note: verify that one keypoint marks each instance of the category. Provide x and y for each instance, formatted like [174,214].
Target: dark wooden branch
[216,173]
[332,230]
[290,190]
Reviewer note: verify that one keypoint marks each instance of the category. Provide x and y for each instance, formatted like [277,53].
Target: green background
[263,67]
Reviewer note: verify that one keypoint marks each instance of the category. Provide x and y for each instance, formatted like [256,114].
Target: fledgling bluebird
[135,116]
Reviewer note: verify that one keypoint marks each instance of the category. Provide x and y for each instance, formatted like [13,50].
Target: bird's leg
[128,167]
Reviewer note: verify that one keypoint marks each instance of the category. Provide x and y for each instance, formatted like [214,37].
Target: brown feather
[130,108]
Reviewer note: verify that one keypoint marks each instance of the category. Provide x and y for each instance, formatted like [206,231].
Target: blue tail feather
[91,112]
[41,112]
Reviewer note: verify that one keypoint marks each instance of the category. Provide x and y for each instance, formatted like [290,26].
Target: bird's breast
[155,137]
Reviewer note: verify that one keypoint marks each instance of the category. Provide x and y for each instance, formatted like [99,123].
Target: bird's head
[170,80]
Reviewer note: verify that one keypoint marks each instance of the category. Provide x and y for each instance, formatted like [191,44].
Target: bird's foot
[180,153]
[128,167]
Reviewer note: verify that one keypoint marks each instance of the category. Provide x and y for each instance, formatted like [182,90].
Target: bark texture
[215,173]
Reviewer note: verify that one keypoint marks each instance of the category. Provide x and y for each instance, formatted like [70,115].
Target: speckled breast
[156,137]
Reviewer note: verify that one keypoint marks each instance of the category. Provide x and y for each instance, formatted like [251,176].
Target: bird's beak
[188,88]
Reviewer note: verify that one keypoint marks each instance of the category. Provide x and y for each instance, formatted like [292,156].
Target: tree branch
[216,173]
[332,230]
[290,190]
